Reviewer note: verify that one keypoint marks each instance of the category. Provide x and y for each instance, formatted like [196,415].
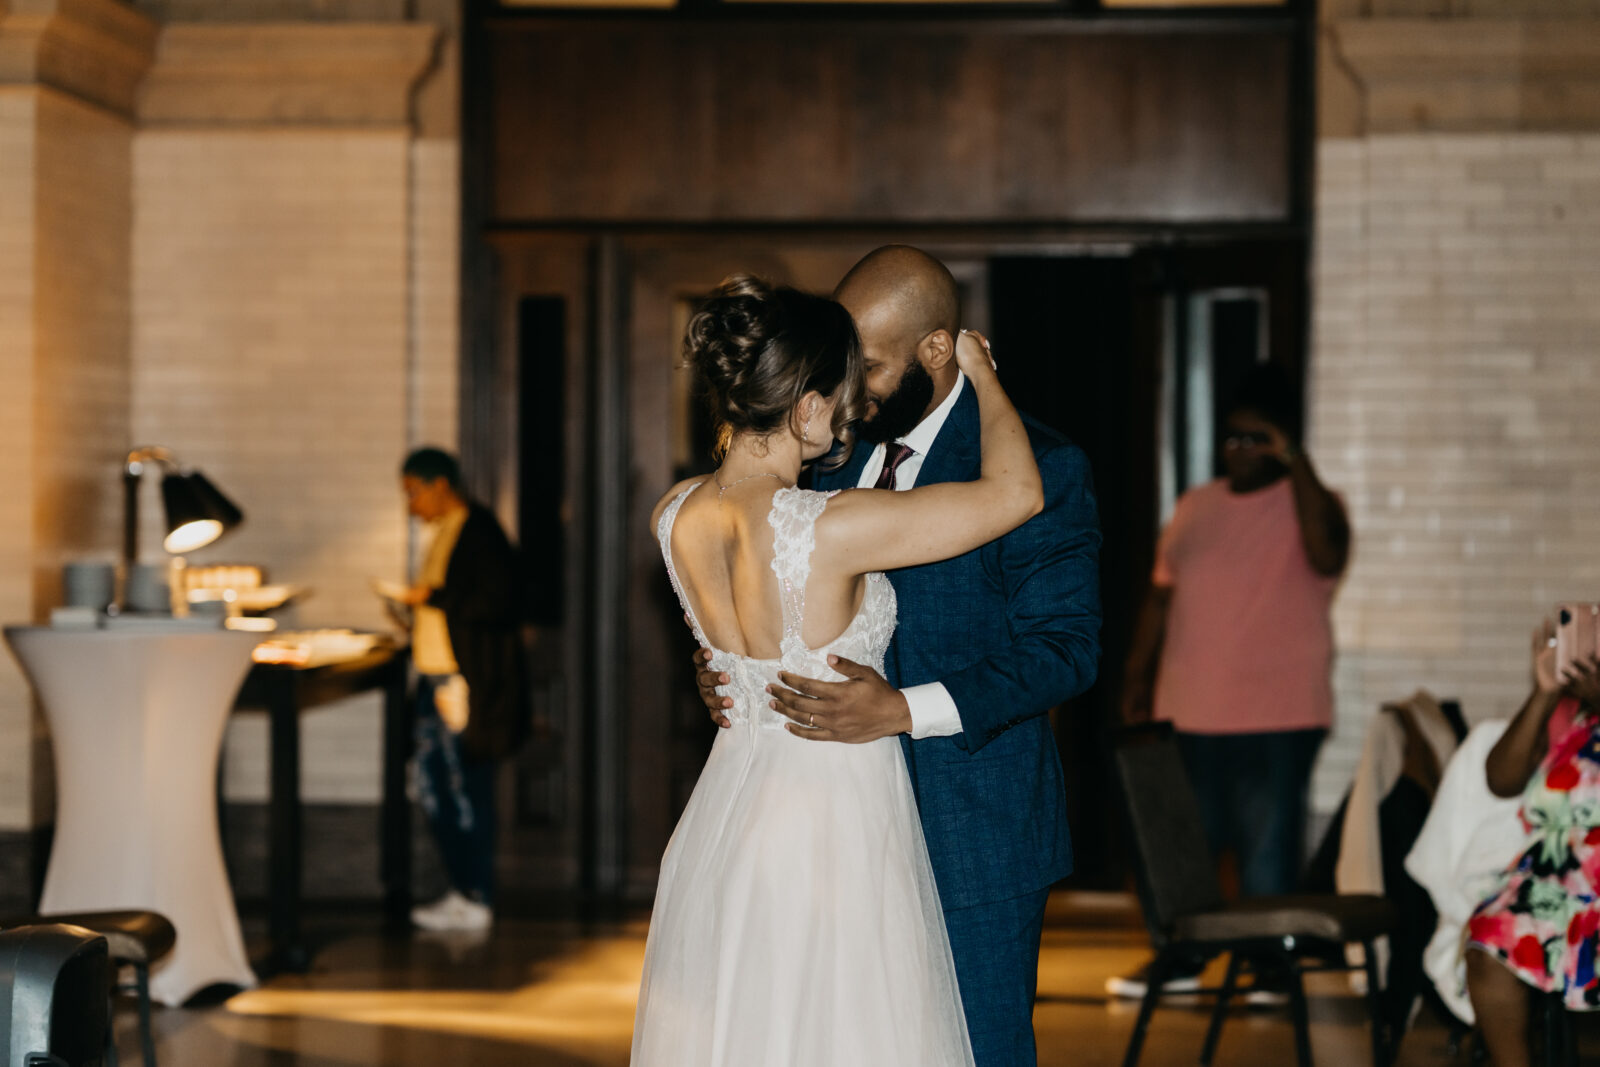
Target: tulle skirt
[796,923]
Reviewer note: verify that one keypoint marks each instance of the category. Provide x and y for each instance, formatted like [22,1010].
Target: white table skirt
[137,719]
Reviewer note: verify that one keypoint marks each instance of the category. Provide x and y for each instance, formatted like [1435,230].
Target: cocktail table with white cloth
[137,719]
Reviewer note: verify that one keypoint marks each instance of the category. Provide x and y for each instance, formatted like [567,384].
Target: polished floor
[558,993]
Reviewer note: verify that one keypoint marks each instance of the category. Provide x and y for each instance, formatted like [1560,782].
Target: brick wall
[271,318]
[64,252]
[1456,401]
[435,276]
[83,213]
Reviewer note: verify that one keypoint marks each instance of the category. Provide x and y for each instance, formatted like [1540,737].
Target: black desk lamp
[196,511]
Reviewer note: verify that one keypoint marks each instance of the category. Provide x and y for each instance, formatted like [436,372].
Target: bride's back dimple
[750,572]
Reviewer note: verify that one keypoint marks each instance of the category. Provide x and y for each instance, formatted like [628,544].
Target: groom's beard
[900,411]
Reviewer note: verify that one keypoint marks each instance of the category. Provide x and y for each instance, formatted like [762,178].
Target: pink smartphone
[1577,634]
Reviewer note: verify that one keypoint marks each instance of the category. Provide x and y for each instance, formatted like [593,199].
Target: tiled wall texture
[293,335]
[1455,398]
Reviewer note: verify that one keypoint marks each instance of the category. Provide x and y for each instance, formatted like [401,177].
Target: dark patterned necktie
[894,454]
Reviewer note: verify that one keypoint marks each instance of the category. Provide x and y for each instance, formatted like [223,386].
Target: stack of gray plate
[87,583]
[146,590]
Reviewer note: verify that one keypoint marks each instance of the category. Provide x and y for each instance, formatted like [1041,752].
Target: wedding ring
[812,719]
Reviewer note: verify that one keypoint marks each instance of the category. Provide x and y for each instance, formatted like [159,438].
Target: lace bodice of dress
[793,519]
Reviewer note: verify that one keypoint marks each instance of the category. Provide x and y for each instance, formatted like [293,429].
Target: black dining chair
[1187,916]
[1559,1041]
[53,1009]
[135,939]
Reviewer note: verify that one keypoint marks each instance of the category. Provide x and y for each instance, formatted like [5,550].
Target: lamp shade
[197,512]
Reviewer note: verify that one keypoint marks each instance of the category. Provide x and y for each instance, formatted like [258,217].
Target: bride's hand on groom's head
[863,707]
[708,680]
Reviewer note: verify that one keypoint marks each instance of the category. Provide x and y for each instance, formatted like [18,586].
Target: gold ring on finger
[811,719]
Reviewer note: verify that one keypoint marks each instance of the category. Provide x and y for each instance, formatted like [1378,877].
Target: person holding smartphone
[1540,928]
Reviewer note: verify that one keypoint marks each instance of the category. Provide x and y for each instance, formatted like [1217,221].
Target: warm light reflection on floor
[586,995]
[549,994]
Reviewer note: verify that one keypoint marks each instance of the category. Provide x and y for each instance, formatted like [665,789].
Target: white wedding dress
[796,923]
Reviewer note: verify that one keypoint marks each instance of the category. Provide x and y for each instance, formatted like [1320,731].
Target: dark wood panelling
[786,121]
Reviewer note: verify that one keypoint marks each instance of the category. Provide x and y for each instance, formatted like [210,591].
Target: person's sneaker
[1133,986]
[1269,989]
[453,912]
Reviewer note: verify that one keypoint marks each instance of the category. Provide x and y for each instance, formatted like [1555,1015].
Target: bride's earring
[805,431]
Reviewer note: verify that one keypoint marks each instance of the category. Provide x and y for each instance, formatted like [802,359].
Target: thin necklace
[724,488]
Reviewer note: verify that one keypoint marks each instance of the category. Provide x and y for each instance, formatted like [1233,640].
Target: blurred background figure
[1234,644]
[466,646]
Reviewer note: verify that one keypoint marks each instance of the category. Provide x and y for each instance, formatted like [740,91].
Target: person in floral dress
[1541,927]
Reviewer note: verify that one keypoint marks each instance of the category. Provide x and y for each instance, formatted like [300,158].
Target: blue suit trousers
[996,949]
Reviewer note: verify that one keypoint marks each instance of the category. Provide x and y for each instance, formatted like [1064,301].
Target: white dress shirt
[933,710]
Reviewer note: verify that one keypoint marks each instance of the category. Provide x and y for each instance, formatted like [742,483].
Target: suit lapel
[954,456]
[956,452]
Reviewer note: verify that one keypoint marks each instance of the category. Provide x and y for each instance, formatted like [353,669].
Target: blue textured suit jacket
[1011,629]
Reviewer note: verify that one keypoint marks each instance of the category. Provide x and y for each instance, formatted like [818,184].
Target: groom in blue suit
[986,644]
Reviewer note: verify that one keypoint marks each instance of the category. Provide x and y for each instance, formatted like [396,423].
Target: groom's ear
[936,350]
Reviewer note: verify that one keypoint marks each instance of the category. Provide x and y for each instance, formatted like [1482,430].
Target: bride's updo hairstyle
[760,348]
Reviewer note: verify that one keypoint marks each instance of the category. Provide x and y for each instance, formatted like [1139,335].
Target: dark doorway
[1132,353]
[1065,328]
[542,343]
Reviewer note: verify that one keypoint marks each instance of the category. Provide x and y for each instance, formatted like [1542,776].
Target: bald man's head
[904,285]
[907,314]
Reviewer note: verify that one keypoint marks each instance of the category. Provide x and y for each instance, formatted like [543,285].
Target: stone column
[69,71]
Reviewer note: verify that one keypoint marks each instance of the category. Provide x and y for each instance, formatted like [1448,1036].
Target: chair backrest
[1173,866]
[55,981]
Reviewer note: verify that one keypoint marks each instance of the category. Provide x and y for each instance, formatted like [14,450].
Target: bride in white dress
[796,923]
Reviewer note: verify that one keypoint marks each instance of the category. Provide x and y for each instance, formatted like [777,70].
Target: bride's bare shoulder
[841,517]
[670,496]
[844,504]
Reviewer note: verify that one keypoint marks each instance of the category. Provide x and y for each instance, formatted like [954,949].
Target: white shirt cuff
[933,711]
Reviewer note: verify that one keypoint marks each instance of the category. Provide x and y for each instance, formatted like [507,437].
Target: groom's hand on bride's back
[708,680]
[862,708]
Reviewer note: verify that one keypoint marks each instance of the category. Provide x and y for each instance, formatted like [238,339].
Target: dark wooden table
[285,693]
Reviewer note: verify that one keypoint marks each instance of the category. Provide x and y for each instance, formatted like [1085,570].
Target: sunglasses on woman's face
[1246,439]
